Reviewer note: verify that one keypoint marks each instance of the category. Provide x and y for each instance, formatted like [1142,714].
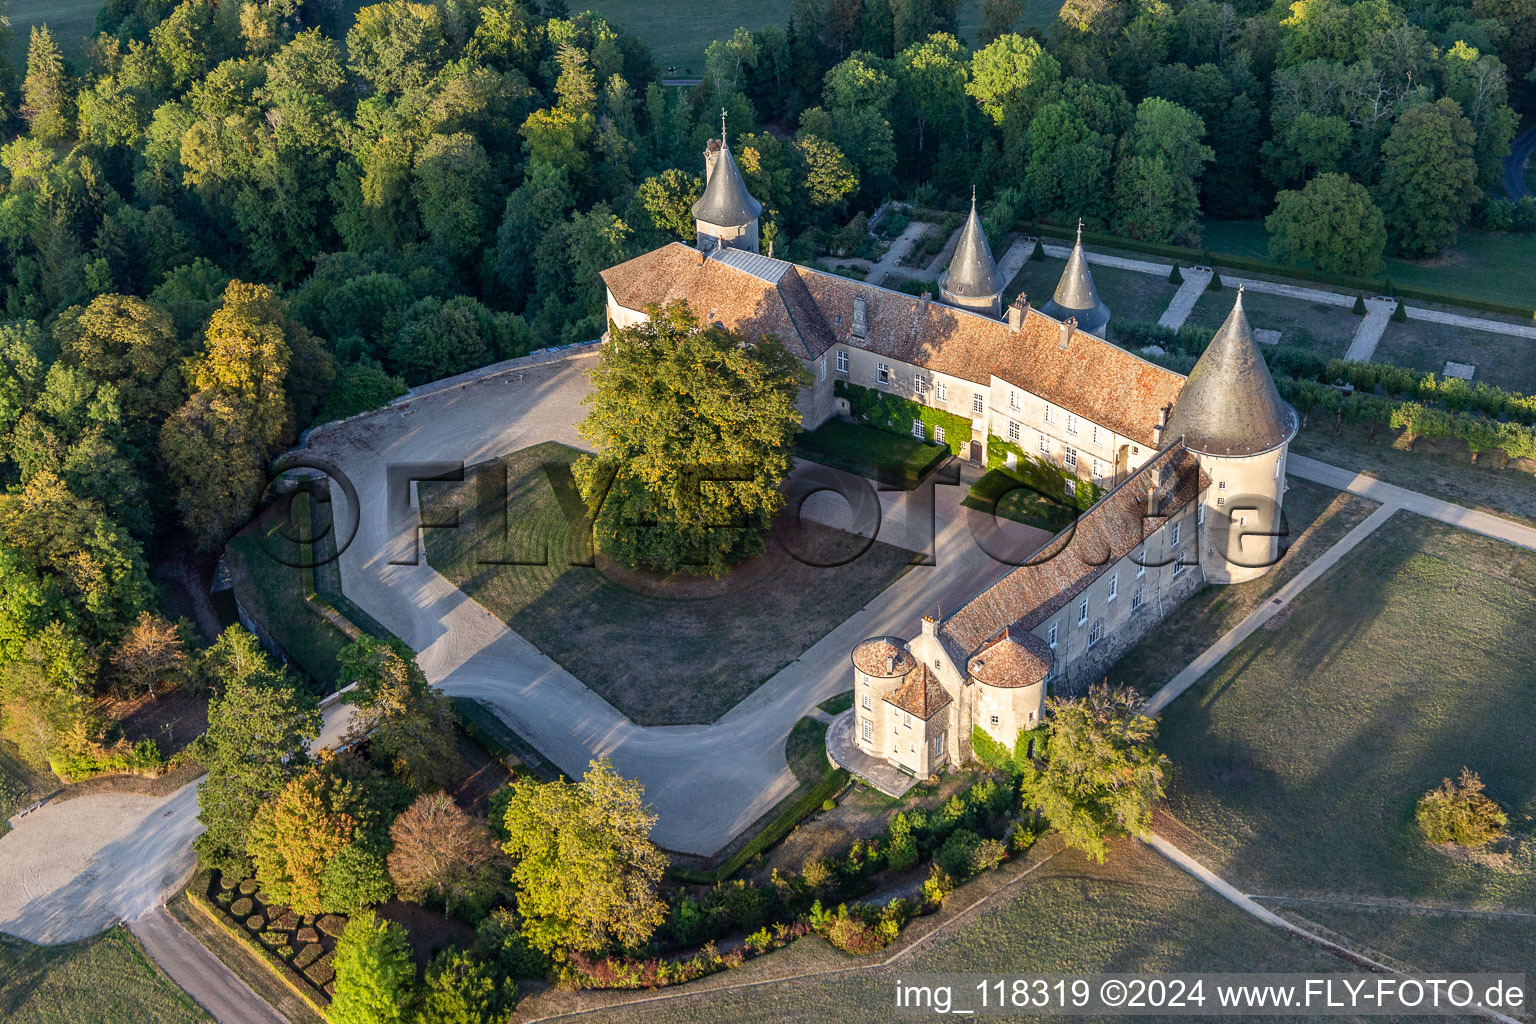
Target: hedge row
[830,785]
[1378,286]
[316,998]
[895,414]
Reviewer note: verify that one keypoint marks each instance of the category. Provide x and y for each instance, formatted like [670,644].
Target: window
[1013,430]
[882,373]
[908,722]
[1050,414]
[1095,433]
[1114,586]
[1096,633]
[919,383]
[868,729]
[1071,424]
[994,721]
[1069,456]
[1178,569]
[1098,469]
[1013,399]
[1141,568]
[1221,501]
[1173,535]
[942,390]
[1050,636]
[823,369]
[977,403]
[1045,445]
[1082,611]
[867,704]
[1200,516]
[918,430]
[842,361]
[1137,598]
[1221,486]
[938,746]
[938,434]
[1031,718]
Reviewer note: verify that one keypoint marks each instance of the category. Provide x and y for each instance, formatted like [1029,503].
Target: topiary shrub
[307,955]
[306,935]
[228,882]
[249,887]
[829,804]
[241,907]
[224,899]
[1359,307]
[331,924]
[1215,284]
[1458,813]
[256,922]
[1400,314]
[955,855]
[1174,277]
[285,951]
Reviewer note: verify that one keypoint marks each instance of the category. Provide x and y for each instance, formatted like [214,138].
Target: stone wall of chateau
[1242,515]
[707,236]
[869,693]
[1048,431]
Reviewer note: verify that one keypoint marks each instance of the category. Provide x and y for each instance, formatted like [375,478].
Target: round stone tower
[881,665]
[972,281]
[726,215]
[1231,416]
[1010,671]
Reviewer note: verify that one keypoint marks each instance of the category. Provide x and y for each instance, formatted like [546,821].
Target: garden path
[889,262]
[1183,301]
[200,974]
[1378,311]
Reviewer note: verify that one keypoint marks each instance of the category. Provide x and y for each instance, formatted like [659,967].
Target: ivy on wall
[885,411]
[1036,473]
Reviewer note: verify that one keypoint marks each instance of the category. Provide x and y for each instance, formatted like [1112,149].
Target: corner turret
[1076,296]
[726,215]
[972,281]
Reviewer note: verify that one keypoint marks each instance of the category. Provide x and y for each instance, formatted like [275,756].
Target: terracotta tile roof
[883,656]
[1112,529]
[922,695]
[1012,660]
[809,311]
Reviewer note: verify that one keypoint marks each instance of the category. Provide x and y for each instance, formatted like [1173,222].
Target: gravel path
[201,974]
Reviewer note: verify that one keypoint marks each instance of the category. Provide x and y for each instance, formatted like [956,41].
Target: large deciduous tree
[584,866]
[440,852]
[1330,224]
[1101,776]
[408,723]
[1429,178]
[694,429]
[294,837]
[375,979]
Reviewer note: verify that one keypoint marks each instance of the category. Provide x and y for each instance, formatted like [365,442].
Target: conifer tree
[46,103]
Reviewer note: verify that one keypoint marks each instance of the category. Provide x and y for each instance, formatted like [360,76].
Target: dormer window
[860,317]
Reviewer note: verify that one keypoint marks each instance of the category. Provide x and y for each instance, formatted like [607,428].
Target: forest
[233,221]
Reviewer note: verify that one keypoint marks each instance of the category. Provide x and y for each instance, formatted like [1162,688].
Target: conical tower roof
[726,201]
[1075,294]
[1229,405]
[972,272]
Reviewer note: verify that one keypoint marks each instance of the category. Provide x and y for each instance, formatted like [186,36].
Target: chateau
[1193,468]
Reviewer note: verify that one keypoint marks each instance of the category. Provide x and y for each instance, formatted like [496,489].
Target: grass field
[678,32]
[1500,359]
[72,22]
[1128,294]
[1479,264]
[1135,913]
[105,980]
[1316,516]
[1315,326]
[1441,468]
[1425,942]
[20,783]
[1300,758]
[663,651]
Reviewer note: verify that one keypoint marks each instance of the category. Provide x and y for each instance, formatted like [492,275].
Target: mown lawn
[895,459]
[1316,517]
[72,22]
[1316,326]
[665,651]
[1002,493]
[1500,359]
[105,980]
[1425,941]
[1300,758]
[1478,265]
[1134,914]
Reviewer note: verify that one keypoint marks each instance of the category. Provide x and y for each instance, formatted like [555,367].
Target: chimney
[1153,504]
[860,316]
[890,664]
[1162,425]
[922,303]
[1017,312]
[711,157]
[1068,328]
[929,624]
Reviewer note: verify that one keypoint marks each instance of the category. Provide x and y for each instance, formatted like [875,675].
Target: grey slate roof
[972,272]
[726,201]
[1229,405]
[1075,295]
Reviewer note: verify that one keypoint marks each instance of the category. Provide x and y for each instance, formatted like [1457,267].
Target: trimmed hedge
[1376,286]
[1045,477]
[885,411]
[777,829]
[315,997]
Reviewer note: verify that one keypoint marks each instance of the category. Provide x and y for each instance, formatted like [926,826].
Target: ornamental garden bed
[298,948]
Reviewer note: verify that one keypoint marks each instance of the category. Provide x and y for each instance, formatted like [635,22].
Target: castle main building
[1193,468]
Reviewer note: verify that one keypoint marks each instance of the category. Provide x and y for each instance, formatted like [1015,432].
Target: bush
[1359,307]
[901,855]
[829,804]
[937,886]
[1459,813]
[500,940]
[1400,314]
[1215,285]
[954,857]
[241,908]
[852,934]
[989,853]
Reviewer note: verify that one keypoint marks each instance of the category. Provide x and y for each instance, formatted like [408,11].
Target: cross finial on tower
[722,126]
[1079,231]
[973,195]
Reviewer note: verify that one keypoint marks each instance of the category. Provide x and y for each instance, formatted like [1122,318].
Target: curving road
[1520,151]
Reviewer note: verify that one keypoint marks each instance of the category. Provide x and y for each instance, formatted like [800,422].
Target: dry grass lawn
[105,980]
[662,652]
